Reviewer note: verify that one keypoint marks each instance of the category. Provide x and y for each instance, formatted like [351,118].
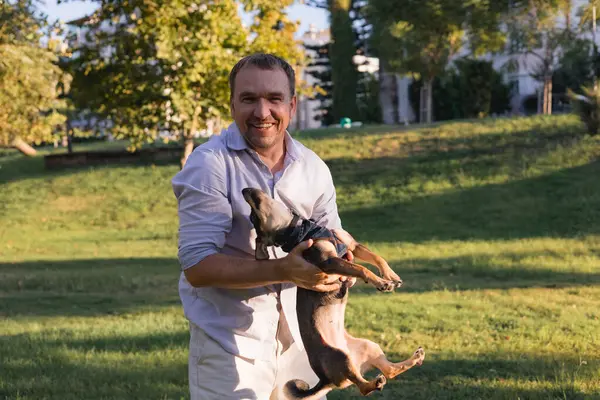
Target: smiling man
[244,337]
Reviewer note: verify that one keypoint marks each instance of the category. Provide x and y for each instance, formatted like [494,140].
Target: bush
[587,107]
[470,89]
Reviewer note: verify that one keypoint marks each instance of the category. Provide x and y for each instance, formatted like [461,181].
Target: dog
[338,359]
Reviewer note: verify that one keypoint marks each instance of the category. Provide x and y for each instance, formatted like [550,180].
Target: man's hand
[302,273]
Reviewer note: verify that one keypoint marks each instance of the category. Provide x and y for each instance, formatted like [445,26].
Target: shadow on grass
[73,369]
[15,168]
[488,376]
[118,286]
[559,204]
[482,272]
[429,158]
[87,287]
[36,368]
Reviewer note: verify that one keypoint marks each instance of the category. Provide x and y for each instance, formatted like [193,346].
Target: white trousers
[216,374]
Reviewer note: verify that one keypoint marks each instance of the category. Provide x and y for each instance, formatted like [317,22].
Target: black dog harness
[307,229]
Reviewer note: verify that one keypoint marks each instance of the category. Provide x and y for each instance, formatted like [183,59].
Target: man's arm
[224,271]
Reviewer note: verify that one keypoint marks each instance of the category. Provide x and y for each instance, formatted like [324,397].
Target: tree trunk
[188,147]
[188,137]
[426,102]
[69,137]
[386,95]
[23,147]
[547,107]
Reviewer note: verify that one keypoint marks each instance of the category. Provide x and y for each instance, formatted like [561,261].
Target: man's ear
[293,106]
[261,252]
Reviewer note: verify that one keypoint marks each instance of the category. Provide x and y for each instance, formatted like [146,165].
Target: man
[245,342]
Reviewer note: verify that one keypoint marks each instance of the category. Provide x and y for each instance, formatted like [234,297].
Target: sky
[76,9]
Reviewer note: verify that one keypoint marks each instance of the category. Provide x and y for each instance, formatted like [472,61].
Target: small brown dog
[338,359]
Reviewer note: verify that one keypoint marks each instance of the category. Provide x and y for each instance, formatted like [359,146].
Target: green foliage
[369,107]
[273,32]
[492,224]
[164,65]
[29,77]
[469,89]
[534,31]
[587,107]
[170,61]
[576,66]
[419,37]
[20,21]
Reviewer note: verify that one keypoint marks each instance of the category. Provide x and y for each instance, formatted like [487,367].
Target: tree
[29,104]
[157,66]
[320,70]
[534,31]
[419,38]
[164,65]
[367,92]
[341,50]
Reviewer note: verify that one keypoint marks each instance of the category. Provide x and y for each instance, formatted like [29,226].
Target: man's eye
[276,99]
[248,99]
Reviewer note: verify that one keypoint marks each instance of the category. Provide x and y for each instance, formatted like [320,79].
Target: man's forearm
[229,272]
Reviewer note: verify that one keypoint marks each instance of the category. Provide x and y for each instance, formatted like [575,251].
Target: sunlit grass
[493,225]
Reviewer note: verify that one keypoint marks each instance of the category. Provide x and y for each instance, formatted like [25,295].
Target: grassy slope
[493,225]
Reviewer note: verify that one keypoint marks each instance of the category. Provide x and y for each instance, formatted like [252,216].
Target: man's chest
[294,186]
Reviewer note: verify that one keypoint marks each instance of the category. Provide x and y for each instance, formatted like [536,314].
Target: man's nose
[262,110]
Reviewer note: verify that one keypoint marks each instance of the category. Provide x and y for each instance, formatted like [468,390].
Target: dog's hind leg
[336,265]
[368,355]
[343,372]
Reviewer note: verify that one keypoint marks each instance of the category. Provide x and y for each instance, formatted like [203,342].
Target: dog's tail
[298,389]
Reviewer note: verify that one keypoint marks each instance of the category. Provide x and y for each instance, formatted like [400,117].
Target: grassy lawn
[494,227]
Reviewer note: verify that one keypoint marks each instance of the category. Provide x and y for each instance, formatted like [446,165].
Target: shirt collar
[235,141]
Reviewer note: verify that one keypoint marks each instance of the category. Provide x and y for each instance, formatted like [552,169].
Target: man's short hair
[263,61]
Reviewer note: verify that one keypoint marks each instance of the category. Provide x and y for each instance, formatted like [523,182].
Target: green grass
[494,226]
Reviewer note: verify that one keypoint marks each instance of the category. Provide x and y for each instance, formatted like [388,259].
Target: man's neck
[274,156]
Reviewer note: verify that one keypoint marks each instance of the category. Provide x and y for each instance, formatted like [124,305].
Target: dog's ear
[261,252]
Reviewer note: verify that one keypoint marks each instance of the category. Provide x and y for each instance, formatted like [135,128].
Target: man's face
[262,106]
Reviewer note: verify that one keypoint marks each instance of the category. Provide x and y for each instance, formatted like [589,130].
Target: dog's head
[268,217]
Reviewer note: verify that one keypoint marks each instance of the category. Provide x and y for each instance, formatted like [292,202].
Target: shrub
[587,107]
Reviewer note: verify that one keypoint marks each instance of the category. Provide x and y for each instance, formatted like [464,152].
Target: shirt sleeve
[325,212]
[205,214]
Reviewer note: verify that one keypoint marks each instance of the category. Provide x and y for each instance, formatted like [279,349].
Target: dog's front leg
[365,254]
[336,265]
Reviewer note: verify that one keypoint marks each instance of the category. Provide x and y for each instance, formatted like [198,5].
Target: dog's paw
[380,382]
[390,275]
[385,286]
[418,356]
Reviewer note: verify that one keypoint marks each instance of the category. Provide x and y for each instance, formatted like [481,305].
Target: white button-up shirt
[215,218]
